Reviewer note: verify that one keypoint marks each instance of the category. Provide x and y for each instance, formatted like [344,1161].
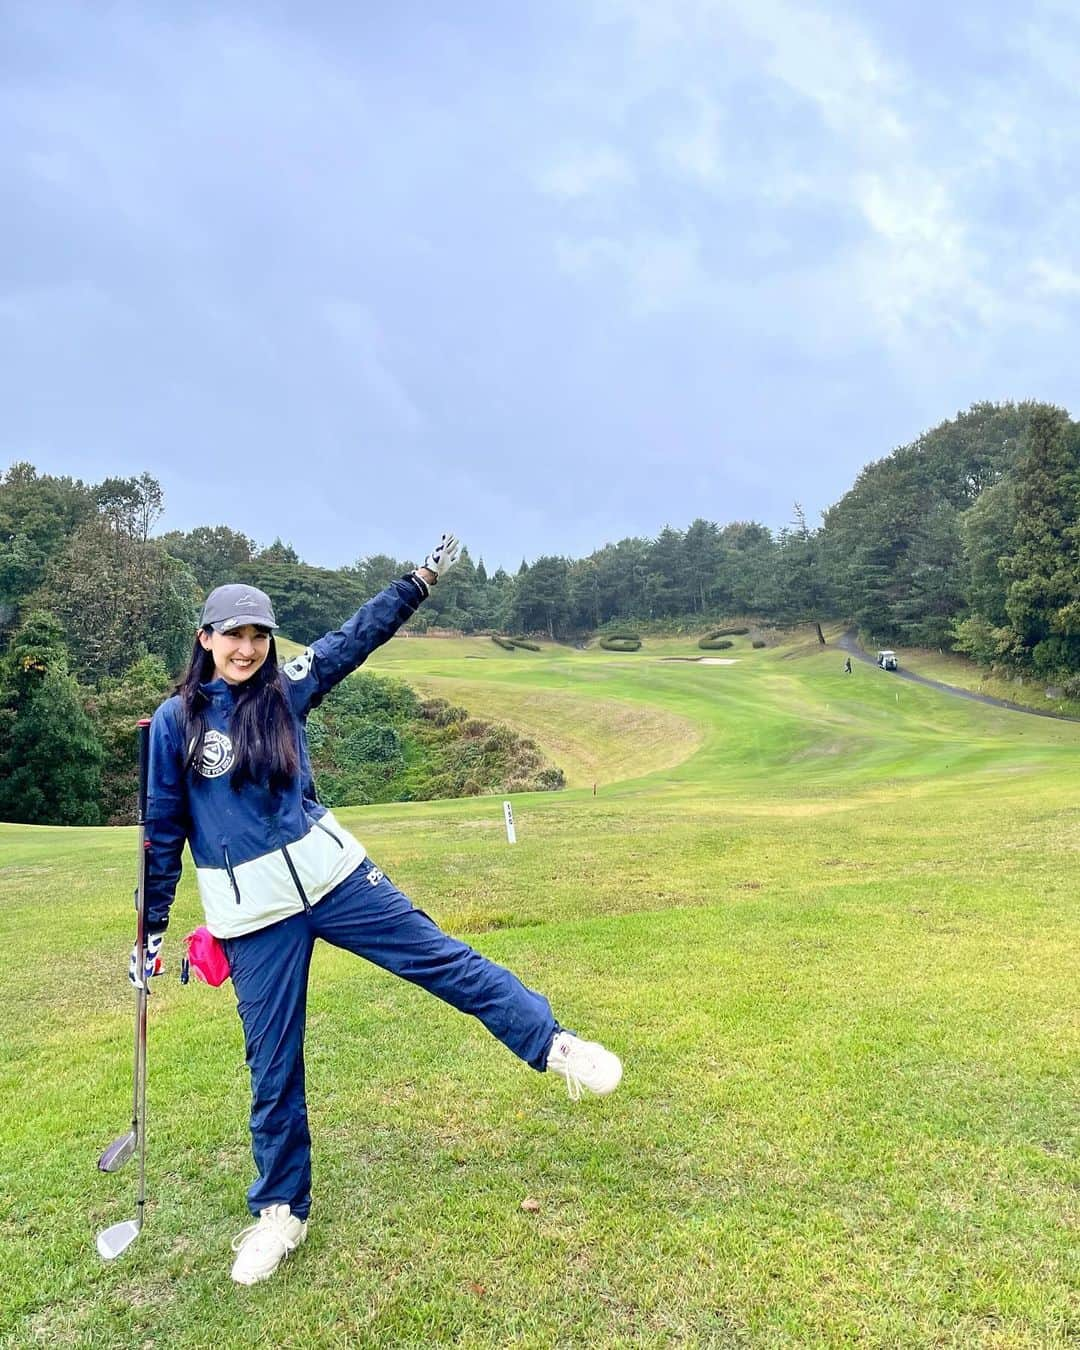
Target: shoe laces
[267,1222]
[563,1066]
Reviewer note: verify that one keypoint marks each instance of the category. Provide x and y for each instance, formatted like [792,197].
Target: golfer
[231,777]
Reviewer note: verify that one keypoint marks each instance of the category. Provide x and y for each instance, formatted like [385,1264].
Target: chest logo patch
[217,755]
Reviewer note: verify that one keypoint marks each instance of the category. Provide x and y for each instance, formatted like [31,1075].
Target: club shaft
[142,991]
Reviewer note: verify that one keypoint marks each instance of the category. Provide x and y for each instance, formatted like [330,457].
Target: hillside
[828,922]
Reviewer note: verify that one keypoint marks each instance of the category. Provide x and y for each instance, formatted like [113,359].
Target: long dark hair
[260,725]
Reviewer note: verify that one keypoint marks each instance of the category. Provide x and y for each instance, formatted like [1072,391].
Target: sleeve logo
[300,666]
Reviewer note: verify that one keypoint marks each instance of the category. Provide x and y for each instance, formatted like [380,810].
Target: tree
[452,603]
[119,598]
[933,598]
[115,708]
[130,506]
[665,582]
[375,572]
[801,593]
[542,597]
[277,552]
[500,599]
[37,514]
[50,757]
[583,580]
[213,552]
[985,529]
[701,549]
[1042,571]
[747,568]
[308,601]
[875,540]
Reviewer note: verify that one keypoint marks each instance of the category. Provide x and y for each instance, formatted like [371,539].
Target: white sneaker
[583,1064]
[262,1247]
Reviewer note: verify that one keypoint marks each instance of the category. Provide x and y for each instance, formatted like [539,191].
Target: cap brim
[242,620]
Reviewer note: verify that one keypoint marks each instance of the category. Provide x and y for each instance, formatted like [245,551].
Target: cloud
[658,272]
[700,151]
[873,181]
[1054,278]
[362,343]
[585,172]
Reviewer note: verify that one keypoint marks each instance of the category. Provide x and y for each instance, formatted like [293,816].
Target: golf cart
[887,661]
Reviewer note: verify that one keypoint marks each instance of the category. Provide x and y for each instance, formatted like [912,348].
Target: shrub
[502,642]
[621,644]
[714,644]
[524,644]
[627,633]
[440,712]
[728,632]
[759,642]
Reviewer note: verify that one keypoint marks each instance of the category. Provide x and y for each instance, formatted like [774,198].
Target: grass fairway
[830,923]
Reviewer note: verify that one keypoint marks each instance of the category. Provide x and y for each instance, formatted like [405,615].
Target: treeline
[966,539]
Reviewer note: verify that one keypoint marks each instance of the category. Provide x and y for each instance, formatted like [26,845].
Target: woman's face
[239,654]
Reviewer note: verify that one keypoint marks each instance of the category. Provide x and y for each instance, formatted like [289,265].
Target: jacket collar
[217,691]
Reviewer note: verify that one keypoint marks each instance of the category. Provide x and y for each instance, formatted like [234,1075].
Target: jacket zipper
[296,879]
[232,875]
[331,833]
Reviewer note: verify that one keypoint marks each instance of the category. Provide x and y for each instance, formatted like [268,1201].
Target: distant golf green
[830,923]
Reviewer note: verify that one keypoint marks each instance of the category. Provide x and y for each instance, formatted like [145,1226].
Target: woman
[230,776]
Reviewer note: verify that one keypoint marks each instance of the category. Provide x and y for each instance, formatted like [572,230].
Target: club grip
[144,764]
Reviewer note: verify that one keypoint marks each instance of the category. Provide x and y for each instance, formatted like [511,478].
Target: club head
[118,1153]
[112,1242]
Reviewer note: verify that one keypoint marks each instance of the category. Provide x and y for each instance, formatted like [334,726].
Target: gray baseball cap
[235,605]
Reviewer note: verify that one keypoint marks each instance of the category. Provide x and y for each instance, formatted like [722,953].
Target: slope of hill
[833,937]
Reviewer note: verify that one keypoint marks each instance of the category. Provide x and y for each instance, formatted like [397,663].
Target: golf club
[112,1241]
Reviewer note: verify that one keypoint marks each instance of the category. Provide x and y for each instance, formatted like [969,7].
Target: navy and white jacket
[260,856]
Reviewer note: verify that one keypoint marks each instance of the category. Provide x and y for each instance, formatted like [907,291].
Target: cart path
[849,643]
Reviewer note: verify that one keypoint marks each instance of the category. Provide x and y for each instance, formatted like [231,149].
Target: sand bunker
[704,660]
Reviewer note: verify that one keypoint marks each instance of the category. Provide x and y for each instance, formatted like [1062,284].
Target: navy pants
[368,915]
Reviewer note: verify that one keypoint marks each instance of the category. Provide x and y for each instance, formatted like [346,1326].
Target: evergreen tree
[984,530]
[1042,567]
[115,709]
[50,758]
[701,550]
[542,597]
[37,515]
[452,602]
[278,552]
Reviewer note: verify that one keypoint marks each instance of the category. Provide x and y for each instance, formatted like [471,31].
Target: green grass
[951,668]
[829,922]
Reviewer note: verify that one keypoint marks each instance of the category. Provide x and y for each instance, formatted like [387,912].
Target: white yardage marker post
[511,834]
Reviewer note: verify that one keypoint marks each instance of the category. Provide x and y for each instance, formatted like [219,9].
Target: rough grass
[834,939]
[952,668]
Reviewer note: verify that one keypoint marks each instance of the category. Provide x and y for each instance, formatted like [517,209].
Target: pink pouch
[207,957]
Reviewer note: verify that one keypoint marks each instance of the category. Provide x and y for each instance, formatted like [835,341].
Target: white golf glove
[444,555]
[153,959]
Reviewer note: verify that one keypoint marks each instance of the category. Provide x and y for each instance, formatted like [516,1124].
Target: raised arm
[313,673]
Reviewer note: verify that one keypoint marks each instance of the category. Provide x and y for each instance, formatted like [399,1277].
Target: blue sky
[550,274]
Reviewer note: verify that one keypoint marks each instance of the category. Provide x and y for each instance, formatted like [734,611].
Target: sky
[548,273]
